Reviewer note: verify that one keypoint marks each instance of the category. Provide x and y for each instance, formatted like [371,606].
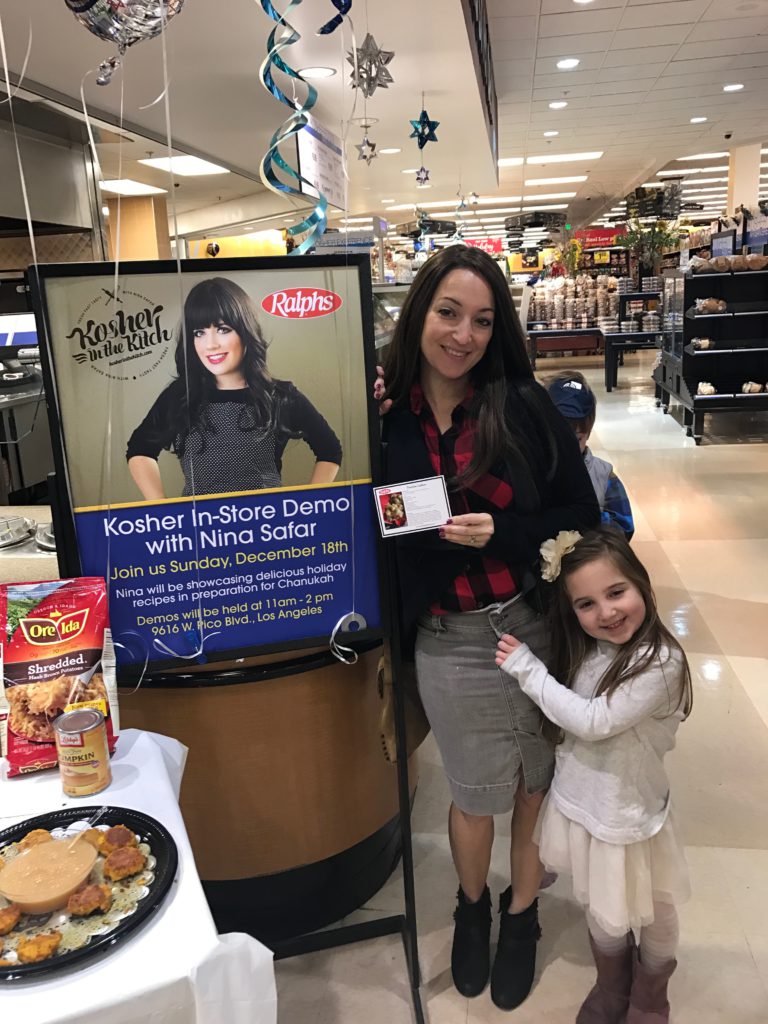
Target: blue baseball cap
[572,399]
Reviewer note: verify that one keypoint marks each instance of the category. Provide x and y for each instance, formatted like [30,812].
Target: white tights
[658,940]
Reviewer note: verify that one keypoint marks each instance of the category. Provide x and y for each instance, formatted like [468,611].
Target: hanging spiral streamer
[314,225]
[343,7]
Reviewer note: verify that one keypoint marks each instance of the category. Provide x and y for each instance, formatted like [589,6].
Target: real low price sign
[489,245]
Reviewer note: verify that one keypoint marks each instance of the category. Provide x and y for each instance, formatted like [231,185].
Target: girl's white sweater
[609,774]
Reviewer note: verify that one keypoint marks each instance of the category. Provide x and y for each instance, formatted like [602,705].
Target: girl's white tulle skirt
[617,884]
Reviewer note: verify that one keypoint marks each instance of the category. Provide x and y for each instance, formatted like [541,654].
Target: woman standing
[464,404]
[225,417]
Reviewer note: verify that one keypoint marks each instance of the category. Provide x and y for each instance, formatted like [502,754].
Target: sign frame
[63,506]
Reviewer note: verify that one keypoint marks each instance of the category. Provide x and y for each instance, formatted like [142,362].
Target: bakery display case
[715,344]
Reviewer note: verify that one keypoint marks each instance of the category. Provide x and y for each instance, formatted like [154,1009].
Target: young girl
[621,688]
[225,417]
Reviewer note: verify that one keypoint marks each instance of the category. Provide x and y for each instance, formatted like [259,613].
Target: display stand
[398,924]
[738,351]
[619,342]
[231,683]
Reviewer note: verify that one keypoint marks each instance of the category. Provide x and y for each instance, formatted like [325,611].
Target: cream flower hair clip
[552,552]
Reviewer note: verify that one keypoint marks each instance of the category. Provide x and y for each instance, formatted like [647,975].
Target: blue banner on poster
[190,578]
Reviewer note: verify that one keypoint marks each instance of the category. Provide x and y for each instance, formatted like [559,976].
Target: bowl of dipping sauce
[44,877]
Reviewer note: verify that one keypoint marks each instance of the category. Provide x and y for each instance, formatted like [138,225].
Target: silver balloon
[123,22]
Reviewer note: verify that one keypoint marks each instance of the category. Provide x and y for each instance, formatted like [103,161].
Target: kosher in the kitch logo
[120,334]
[301,303]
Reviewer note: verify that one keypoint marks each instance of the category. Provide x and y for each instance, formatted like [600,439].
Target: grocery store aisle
[702,530]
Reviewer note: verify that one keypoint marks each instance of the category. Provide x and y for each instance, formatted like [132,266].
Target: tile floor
[702,530]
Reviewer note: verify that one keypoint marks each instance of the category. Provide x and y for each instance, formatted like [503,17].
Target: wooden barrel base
[289,903]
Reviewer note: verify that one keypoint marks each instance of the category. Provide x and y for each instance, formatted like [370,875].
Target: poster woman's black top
[231,453]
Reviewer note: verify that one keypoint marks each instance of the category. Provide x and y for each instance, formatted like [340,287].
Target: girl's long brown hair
[505,359]
[571,645]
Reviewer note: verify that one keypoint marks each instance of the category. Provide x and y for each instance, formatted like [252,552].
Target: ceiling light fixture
[733,87]
[570,180]
[568,63]
[703,156]
[582,1]
[388,152]
[384,201]
[409,170]
[128,187]
[184,166]
[549,195]
[564,158]
[510,161]
[558,104]
[698,120]
[550,135]
[317,72]
[553,206]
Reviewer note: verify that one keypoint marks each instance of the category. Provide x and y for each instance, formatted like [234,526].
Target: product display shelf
[619,342]
[560,339]
[738,353]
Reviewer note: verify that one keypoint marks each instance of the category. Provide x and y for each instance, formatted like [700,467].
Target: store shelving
[617,343]
[739,351]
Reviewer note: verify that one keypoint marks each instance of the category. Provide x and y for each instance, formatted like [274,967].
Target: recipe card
[412,506]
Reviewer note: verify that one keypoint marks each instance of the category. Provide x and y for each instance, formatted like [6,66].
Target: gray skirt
[486,729]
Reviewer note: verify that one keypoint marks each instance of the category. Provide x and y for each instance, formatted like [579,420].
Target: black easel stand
[402,924]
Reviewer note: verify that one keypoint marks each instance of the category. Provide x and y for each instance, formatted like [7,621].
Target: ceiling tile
[562,46]
[577,23]
[634,55]
[730,28]
[514,28]
[682,12]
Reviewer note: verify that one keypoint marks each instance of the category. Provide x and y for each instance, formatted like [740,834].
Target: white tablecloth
[175,969]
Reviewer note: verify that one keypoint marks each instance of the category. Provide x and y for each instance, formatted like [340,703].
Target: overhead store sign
[489,245]
[596,238]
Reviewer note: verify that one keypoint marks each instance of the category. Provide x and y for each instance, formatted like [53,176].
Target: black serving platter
[149,831]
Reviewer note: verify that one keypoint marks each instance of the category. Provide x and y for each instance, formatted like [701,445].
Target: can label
[84,760]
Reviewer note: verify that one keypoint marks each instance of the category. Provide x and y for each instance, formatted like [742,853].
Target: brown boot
[648,1003]
[608,1001]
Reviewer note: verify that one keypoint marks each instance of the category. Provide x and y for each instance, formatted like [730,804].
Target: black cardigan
[553,501]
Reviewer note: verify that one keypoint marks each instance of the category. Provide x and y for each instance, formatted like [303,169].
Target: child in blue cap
[576,402]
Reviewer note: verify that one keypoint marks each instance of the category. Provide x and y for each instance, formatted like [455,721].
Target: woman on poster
[461,401]
[225,417]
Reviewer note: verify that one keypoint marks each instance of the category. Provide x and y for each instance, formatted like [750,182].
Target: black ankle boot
[470,955]
[515,963]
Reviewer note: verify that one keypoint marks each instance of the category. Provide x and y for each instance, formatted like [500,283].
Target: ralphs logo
[54,630]
[301,303]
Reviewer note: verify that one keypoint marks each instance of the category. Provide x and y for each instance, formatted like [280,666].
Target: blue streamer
[343,7]
[315,224]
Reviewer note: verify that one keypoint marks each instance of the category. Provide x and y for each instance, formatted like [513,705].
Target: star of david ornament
[366,150]
[370,70]
[422,176]
[424,130]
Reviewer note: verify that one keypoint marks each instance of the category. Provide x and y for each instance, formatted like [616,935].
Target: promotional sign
[595,238]
[214,434]
[489,245]
[321,161]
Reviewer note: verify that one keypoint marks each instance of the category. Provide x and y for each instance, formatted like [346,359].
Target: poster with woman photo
[214,425]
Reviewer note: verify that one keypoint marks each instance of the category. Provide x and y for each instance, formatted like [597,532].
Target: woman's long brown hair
[505,359]
[571,645]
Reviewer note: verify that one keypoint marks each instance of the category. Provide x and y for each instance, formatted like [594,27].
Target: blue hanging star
[424,130]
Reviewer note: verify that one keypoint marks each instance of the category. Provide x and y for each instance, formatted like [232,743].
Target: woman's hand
[472,530]
[505,647]
[380,392]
